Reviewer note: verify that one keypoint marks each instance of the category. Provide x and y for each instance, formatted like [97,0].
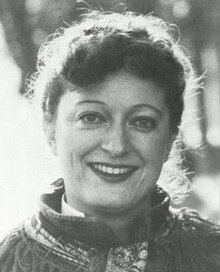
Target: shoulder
[190,222]
[194,241]
[8,248]
[19,251]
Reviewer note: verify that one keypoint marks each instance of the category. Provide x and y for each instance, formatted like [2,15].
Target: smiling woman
[121,143]
[111,90]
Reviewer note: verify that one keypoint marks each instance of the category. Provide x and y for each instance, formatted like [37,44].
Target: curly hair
[103,43]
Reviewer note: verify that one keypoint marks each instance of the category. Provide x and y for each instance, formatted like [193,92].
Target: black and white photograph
[109,136]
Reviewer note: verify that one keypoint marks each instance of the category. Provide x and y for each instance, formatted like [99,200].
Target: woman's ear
[50,134]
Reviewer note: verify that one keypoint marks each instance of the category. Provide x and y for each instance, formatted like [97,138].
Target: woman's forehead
[120,89]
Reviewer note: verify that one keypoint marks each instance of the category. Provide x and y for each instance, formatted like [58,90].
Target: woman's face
[111,141]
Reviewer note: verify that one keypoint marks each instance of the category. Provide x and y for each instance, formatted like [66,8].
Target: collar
[66,209]
[92,231]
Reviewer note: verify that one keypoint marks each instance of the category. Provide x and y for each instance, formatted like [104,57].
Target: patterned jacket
[164,241]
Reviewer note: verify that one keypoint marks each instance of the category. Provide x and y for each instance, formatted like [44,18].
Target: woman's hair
[103,43]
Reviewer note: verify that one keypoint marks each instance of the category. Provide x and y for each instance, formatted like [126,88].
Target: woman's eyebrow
[148,106]
[91,101]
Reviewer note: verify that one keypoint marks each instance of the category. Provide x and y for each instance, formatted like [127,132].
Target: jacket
[166,240]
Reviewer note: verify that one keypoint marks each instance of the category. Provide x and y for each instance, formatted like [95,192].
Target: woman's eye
[91,118]
[144,123]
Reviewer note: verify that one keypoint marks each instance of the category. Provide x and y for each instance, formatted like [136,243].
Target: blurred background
[26,165]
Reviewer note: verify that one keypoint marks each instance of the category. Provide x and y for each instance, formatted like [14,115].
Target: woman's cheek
[80,144]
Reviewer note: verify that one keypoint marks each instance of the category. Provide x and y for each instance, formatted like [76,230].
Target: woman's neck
[122,223]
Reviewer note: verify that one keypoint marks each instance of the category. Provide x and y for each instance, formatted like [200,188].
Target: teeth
[104,169]
[111,170]
[122,171]
[116,171]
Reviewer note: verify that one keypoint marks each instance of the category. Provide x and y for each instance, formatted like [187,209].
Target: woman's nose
[116,142]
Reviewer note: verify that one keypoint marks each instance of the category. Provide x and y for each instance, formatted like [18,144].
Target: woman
[111,89]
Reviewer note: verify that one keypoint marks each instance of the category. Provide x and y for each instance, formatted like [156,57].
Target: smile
[119,172]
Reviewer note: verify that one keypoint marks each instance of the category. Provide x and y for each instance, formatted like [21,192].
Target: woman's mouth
[113,172]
